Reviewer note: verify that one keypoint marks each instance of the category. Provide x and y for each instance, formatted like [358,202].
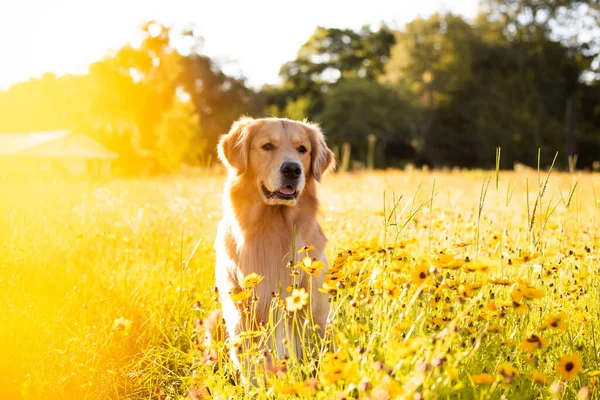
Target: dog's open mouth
[287,192]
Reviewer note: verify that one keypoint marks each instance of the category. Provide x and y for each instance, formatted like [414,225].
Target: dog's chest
[266,254]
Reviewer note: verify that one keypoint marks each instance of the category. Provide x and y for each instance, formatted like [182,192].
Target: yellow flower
[468,289]
[411,346]
[391,288]
[555,321]
[241,295]
[301,389]
[419,274]
[121,325]
[329,286]
[251,280]
[508,372]
[538,377]
[520,308]
[402,326]
[437,296]
[529,291]
[502,282]
[296,300]
[477,266]
[568,366]
[335,368]
[439,321]
[447,261]
[585,317]
[306,249]
[311,266]
[533,343]
[484,379]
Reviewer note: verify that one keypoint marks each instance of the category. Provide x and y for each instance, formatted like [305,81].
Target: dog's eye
[268,147]
[302,149]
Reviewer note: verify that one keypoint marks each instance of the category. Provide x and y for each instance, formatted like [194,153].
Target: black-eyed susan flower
[529,291]
[533,343]
[568,366]
[311,266]
[329,286]
[555,321]
[391,288]
[251,280]
[477,266]
[483,379]
[440,321]
[501,281]
[301,389]
[585,317]
[420,273]
[306,249]
[240,295]
[537,377]
[296,300]
[335,368]
[448,261]
[508,372]
[489,311]
[468,289]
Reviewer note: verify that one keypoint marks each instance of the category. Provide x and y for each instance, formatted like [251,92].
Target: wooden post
[345,157]
[371,152]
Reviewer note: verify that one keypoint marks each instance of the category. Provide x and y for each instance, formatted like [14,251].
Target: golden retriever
[274,166]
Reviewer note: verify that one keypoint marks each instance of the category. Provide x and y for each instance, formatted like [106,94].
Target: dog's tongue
[287,190]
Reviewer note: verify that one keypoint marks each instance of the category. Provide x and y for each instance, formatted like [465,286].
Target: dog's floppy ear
[322,158]
[233,149]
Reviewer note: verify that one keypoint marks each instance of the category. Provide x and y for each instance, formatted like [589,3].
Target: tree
[430,62]
[175,133]
[571,23]
[330,55]
[131,101]
[218,99]
[359,107]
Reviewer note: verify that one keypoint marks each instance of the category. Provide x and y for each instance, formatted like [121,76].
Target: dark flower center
[422,275]
[533,339]
[569,366]
[554,324]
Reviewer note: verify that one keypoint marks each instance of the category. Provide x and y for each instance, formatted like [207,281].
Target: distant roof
[52,144]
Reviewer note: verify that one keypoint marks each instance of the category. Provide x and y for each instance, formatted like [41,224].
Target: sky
[249,38]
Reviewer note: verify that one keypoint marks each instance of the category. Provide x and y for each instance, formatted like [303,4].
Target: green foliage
[333,54]
[295,109]
[466,80]
[125,101]
[175,133]
[357,108]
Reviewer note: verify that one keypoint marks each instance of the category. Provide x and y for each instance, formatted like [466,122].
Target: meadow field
[472,284]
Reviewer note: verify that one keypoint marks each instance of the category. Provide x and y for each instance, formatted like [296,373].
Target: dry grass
[103,284]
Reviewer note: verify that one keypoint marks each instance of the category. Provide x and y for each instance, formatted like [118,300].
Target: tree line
[441,91]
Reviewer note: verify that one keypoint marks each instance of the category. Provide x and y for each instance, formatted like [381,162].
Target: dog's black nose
[291,170]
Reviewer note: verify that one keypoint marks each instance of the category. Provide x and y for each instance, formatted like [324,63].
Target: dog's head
[278,156]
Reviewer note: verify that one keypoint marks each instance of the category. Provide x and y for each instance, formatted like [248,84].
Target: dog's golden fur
[255,233]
